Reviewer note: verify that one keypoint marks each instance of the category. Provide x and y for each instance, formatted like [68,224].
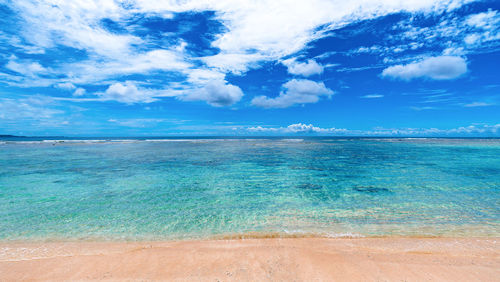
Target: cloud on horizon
[301,128]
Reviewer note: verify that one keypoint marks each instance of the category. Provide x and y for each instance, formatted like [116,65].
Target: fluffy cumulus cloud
[79,92]
[216,93]
[439,68]
[295,91]
[305,69]
[127,92]
[298,128]
[309,128]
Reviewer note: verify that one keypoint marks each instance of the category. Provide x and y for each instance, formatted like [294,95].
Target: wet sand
[290,259]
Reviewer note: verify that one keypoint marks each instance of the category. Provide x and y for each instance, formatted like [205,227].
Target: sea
[149,189]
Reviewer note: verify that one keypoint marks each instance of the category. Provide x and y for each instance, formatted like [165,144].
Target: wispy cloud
[372,96]
[415,108]
[138,122]
[36,107]
[478,104]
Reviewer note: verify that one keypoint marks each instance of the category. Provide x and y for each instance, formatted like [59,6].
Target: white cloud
[79,92]
[37,107]
[439,68]
[127,93]
[309,128]
[386,50]
[486,20]
[477,129]
[297,128]
[478,104]
[305,69]
[237,63]
[372,96]
[74,24]
[296,91]
[26,67]
[472,38]
[454,51]
[463,130]
[302,128]
[65,85]
[201,76]
[479,38]
[90,71]
[457,34]
[422,108]
[274,29]
[262,129]
[215,93]
[137,123]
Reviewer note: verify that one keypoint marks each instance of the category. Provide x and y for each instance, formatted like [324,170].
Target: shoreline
[234,237]
[305,258]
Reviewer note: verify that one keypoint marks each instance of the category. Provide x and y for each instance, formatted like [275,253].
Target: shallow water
[205,188]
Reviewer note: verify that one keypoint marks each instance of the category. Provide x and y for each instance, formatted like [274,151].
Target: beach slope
[288,259]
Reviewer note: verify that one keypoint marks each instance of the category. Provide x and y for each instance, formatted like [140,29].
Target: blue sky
[157,68]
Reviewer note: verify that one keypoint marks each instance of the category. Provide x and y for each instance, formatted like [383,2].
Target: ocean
[133,189]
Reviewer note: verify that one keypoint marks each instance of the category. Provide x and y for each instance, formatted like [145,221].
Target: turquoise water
[205,188]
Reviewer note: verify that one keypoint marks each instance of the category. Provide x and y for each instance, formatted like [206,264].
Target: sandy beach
[287,259]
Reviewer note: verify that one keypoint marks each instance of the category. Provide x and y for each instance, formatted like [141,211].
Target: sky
[229,67]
